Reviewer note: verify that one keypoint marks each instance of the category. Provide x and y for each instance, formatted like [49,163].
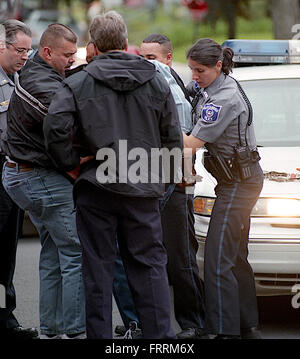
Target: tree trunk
[229,8]
[285,14]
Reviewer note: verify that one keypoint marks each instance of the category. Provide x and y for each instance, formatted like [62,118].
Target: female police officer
[224,125]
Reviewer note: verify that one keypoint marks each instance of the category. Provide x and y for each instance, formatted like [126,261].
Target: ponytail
[227,63]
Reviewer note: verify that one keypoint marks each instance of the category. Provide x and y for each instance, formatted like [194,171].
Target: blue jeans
[47,196]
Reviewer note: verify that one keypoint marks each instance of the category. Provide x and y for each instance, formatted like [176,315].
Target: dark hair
[57,31]
[160,39]
[207,52]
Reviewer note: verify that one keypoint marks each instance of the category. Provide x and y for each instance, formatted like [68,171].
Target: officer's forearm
[191,142]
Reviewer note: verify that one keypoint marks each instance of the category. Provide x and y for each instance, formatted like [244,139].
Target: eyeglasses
[21,51]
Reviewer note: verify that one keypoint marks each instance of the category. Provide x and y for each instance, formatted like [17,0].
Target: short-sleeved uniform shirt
[218,110]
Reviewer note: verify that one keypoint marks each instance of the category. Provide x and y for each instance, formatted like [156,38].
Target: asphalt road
[277,317]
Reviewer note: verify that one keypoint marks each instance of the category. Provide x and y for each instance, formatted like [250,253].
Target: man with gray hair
[44,192]
[15,42]
[119,97]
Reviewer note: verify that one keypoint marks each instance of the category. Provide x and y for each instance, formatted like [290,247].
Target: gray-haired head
[108,31]
[2,37]
[10,28]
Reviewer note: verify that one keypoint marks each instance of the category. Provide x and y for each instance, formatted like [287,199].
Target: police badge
[210,112]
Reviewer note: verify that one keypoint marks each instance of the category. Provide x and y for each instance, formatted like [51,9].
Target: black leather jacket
[24,141]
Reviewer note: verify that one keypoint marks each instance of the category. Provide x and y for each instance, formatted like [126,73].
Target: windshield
[276,109]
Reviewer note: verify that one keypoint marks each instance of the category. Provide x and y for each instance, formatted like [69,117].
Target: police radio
[243,160]
[243,155]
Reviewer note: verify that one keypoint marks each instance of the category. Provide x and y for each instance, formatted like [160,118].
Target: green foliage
[253,22]
[180,28]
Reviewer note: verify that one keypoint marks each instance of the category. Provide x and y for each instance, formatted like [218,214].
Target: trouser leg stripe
[228,207]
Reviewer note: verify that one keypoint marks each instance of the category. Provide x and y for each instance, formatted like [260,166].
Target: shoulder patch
[210,112]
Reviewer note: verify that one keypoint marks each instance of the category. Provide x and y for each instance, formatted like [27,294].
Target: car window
[276,108]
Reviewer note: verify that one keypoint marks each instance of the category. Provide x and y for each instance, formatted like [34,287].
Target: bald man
[42,191]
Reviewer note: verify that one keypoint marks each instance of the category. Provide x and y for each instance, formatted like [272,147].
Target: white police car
[274,91]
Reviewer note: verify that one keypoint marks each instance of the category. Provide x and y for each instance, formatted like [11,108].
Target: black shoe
[226,336]
[251,333]
[120,330]
[192,333]
[20,333]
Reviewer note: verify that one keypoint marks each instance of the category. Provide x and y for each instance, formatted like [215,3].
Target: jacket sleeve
[171,136]
[170,130]
[59,130]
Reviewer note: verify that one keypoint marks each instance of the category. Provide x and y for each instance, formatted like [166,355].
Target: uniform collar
[215,85]
[4,78]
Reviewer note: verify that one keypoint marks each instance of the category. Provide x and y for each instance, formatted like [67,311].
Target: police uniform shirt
[220,106]
[6,89]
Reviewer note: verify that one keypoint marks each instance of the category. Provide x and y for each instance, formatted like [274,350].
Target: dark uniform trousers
[230,294]
[11,220]
[136,221]
[181,244]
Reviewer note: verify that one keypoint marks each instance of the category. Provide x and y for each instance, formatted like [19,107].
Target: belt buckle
[25,169]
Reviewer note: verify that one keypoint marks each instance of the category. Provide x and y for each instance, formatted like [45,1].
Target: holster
[218,166]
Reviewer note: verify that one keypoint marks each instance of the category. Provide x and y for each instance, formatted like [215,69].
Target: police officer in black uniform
[224,125]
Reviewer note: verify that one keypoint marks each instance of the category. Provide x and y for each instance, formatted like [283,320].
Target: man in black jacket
[178,218]
[125,112]
[32,181]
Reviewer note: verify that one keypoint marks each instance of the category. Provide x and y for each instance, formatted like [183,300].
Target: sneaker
[74,336]
[134,332]
[50,336]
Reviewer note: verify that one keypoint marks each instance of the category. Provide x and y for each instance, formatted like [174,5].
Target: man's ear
[47,53]
[96,51]
[126,48]
[169,58]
